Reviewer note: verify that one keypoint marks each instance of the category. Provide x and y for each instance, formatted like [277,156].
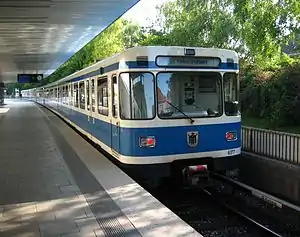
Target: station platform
[54,183]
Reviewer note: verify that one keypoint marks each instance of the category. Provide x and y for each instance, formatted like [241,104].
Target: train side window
[76,97]
[55,94]
[71,94]
[114,96]
[87,94]
[66,94]
[102,91]
[63,97]
[60,93]
[81,95]
[93,95]
[230,82]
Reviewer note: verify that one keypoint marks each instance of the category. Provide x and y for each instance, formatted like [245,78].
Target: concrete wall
[272,176]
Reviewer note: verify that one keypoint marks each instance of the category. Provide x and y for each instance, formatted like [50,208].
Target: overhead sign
[30,78]
[179,61]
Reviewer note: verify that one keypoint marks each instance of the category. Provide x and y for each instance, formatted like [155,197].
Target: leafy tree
[266,26]
[132,34]
[200,23]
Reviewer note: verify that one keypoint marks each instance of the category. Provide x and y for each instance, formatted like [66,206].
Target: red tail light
[147,141]
[231,136]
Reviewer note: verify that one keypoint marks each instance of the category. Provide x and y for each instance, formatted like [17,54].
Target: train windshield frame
[198,94]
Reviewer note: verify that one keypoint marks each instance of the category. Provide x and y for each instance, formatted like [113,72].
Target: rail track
[230,208]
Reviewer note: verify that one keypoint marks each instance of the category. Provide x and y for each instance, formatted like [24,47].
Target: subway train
[155,109]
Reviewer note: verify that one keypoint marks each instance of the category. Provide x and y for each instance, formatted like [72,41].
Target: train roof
[151,52]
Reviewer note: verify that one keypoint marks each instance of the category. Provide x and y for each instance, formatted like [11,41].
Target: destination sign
[179,61]
[30,78]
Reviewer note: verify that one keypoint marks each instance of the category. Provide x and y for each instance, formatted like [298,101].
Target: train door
[115,123]
[88,105]
[92,104]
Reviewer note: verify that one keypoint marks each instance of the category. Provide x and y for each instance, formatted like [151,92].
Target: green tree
[265,26]
[200,23]
[132,34]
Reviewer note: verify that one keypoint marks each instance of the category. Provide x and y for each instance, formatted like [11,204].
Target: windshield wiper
[192,120]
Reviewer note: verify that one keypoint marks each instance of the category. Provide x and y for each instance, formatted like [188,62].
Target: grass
[264,123]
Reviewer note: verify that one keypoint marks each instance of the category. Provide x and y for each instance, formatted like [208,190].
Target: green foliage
[257,29]
[155,38]
[199,23]
[132,34]
[266,26]
[273,95]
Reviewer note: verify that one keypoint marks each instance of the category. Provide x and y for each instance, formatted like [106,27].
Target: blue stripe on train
[169,140]
[173,140]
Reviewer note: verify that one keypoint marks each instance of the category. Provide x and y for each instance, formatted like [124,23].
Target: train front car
[182,110]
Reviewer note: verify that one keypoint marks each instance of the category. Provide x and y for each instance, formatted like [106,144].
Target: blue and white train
[156,107]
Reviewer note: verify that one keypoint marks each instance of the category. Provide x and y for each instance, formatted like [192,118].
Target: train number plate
[231,152]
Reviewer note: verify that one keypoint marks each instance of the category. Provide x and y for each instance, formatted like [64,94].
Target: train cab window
[185,93]
[137,95]
[102,91]
[230,81]
[81,95]
[93,94]
[87,83]
[76,95]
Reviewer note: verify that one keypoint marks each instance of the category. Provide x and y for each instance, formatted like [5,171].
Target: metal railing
[273,144]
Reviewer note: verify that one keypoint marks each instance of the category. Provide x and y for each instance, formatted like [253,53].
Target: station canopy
[36,36]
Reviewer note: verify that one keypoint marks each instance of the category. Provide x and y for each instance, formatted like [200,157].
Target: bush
[272,95]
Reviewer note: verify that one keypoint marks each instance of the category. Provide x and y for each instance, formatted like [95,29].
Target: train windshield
[196,94]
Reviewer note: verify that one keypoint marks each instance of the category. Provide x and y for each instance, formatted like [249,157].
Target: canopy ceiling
[36,36]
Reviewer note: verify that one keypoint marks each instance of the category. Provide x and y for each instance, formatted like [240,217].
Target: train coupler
[197,175]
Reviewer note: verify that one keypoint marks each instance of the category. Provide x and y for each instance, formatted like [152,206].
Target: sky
[144,11]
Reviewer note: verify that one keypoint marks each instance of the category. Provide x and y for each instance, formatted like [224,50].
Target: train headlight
[147,141]
[231,136]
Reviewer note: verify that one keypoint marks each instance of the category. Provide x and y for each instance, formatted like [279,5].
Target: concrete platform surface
[54,183]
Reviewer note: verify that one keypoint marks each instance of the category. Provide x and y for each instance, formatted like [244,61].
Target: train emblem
[192,138]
